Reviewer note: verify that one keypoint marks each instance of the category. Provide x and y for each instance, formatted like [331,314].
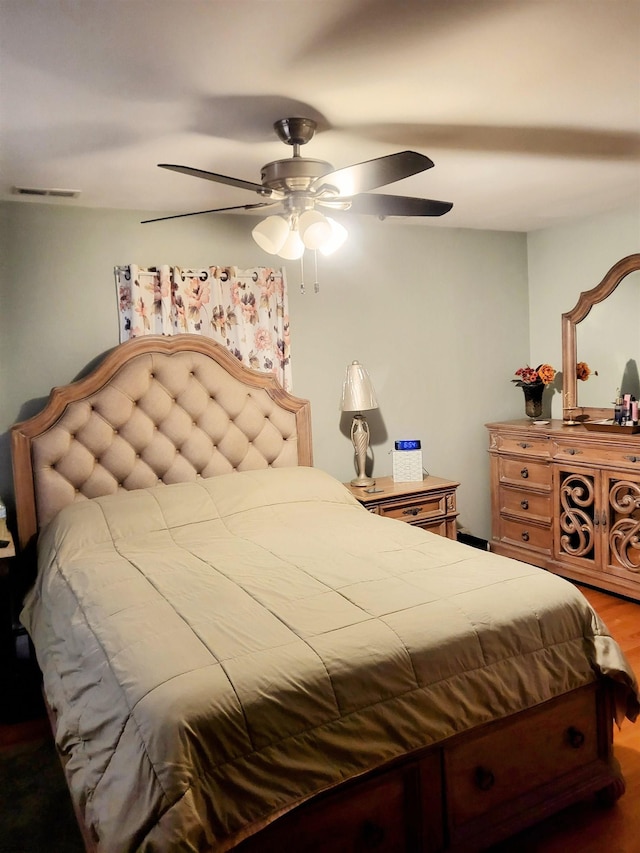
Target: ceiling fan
[302,188]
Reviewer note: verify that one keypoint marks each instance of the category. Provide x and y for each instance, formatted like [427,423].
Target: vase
[533,399]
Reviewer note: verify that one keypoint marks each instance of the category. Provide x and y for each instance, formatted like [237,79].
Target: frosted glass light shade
[293,247]
[271,234]
[338,235]
[357,390]
[314,229]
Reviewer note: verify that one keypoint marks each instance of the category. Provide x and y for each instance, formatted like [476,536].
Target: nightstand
[7,557]
[429,503]
[21,680]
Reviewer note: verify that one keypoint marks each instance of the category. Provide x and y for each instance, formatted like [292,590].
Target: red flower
[543,374]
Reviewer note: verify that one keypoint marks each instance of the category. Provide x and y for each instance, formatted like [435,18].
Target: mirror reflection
[608,340]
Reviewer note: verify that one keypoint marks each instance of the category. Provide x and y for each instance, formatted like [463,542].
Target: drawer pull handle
[524,504]
[524,473]
[573,452]
[523,445]
[633,458]
[525,536]
[485,780]
[372,834]
[414,510]
[575,737]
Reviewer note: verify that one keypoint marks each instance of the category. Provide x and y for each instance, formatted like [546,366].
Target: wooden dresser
[568,499]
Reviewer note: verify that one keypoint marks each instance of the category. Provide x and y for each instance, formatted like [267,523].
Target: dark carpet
[36,811]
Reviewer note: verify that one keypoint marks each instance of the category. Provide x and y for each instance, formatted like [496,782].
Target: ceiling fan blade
[222,179]
[213,210]
[370,174]
[380,204]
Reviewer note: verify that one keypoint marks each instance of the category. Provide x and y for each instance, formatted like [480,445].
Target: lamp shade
[338,235]
[315,229]
[357,390]
[271,234]
[279,235]
[293,247]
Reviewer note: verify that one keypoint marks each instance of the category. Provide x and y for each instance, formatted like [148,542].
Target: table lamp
[358,396]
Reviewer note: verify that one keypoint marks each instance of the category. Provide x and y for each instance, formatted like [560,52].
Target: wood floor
[585,827]
[14,733]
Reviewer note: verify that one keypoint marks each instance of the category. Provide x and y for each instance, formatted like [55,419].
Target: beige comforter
[218,651]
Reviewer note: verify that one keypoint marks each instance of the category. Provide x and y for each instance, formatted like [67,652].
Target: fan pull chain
[316,283]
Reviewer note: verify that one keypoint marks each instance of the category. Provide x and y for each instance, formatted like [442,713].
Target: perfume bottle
[617,410]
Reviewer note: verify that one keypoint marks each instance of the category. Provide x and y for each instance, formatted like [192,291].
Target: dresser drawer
[483,774]
[525,504]
[599,455]
[525,446]
[530,536]
[375,816]
[525,472]
[416,509]
[440,527]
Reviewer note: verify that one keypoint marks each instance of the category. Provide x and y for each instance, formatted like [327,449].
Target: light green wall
[438,316]
[565,261]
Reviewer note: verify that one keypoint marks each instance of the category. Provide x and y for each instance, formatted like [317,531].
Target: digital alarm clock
[408,444]
[407,461]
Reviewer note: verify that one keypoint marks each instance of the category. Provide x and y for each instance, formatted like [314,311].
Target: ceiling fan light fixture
[271,234]
[293,247]
[338,236]
[314,229]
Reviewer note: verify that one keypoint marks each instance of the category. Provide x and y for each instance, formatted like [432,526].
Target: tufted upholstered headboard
[156,410]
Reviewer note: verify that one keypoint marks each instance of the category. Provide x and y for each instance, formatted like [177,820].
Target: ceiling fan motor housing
[296,173]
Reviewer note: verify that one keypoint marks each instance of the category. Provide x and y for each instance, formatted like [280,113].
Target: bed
[236,655]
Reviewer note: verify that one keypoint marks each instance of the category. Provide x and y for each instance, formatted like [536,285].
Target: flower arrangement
[543,374]
[583,371]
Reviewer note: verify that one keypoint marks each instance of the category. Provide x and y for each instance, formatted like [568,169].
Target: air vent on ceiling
[43,191]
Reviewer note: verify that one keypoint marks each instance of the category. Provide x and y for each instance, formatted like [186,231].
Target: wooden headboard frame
[155,410]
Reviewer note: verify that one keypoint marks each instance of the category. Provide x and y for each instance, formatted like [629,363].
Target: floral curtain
[245,310]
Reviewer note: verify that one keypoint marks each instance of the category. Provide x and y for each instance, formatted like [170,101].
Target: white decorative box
[407,465]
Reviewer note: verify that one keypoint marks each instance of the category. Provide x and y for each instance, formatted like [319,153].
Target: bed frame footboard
[462,795]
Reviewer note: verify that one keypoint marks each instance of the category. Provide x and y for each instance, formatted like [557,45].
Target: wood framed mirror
[609,343]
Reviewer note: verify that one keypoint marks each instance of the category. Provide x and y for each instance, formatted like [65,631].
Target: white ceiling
[530,109]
